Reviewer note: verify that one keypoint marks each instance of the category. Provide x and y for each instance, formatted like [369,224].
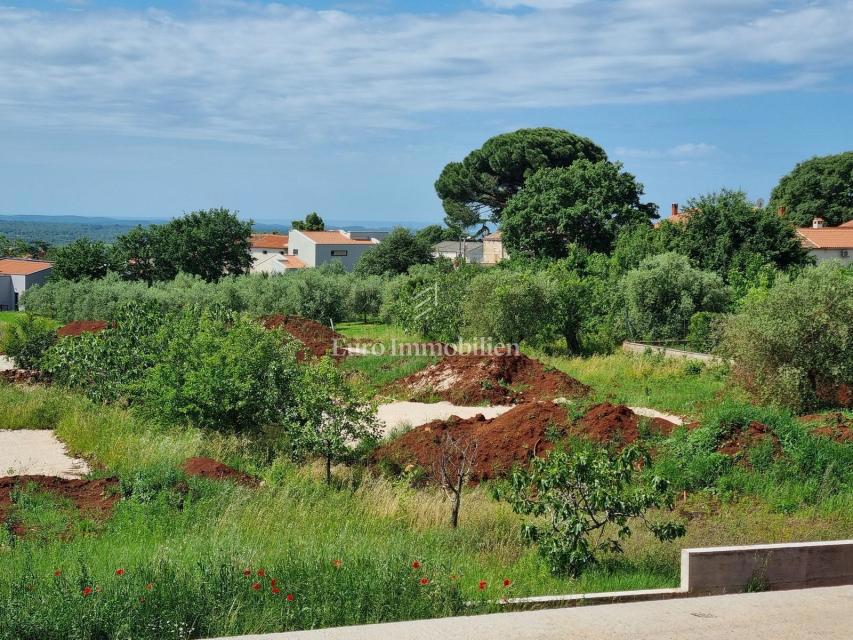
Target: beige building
[493,248]
[828,243]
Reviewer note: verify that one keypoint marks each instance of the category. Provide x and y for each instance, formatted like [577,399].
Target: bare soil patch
[317,338]
[215,470]
[835,426]
[93,498]
[79,327]
[609,424]
[740,441]
[513,438]
[492,379]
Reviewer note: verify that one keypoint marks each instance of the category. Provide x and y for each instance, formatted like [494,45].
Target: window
[844,253]
[264,252]
[339,252]
[296,252]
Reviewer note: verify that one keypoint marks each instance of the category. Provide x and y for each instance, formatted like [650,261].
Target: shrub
[27,340]
[794,345]
[703,331]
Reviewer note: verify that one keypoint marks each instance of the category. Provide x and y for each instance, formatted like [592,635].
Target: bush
[663,294]
[27,340]
[703,331]
[794,345]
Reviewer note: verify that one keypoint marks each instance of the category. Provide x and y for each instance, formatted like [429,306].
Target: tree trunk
[455,503]
[572,343]
[329,470]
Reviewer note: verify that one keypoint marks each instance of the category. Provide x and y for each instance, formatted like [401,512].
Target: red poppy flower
[57,573]
[273,582]
[424,581]
[276,590]
[261,573]
[507,582]
[482,585]
[149,586]
[87,591]
[256,586]
[416,565]
[247,572]
[119,572]
[290,597]
[336,564]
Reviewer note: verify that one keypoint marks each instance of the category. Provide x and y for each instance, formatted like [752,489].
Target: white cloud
[277,75]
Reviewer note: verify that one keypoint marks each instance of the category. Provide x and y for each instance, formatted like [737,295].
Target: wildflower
[482,585]
[416,565]
[273,582]
[261,573]
[247,573]
[87,591]
[290,597]
[149,586]
[57,573]
[424,581]
[507,582]
[276,591]
[336,564]
[119,572]
[256,586]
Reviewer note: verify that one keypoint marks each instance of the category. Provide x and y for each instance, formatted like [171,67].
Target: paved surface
[821,614]
[400,414]
[6,364]
[37,452]
[654,413]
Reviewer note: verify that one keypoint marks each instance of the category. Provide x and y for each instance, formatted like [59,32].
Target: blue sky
[351,108]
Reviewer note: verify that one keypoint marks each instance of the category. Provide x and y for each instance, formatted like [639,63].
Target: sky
[149,109]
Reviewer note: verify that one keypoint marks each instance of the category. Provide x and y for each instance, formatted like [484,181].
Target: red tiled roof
[268,241]
[827,237]
[847,225]
[332,237]
[292,262]
[21,267]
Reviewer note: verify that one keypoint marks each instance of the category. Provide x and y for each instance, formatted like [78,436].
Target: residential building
[828,243]
[17,275]
[269,253]
[472,250]
[493,248]
[675,216]
[314,248]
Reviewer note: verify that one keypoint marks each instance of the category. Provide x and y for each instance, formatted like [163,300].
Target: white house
[269,254]
[17,275]
[472,250]
[828,243]
[314,248]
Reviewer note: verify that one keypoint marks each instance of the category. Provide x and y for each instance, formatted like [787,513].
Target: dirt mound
[94,498]
[492,379]
[836,395]
[609,424]
[835,426]
[660,426]
[215,470]
[317,338]
[81,326]
[512,438]
[23,376]
[740,441]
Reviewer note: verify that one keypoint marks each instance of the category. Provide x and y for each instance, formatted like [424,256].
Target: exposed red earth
[215,470]
[835,426]
[79,327]
[317,338]
[741,440]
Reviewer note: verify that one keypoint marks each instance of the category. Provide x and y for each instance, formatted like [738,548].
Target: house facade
[314,248]
[828,243]
[16,276]
[471,250]
[493,248]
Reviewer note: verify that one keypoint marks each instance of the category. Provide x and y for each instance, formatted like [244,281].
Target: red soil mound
[741,440]
[493,379]
[512,438]
[836,395]
[835,426]
[215,470]
[94,498]
[317,338]
[81,326]
[609,424]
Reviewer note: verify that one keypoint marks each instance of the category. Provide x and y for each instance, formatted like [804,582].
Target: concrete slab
[824,613]
[654,413]
[395,415]
[37,452]
[6,363]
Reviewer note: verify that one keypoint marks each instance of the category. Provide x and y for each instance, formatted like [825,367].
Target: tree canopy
[476,190]
[82,259]
[395,254]
[819,187]
[587,204]
[312,222]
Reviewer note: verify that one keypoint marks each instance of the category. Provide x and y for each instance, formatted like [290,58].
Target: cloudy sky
[147,108]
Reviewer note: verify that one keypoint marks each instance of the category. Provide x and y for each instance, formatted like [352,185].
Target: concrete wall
[668,352]
[300,246]
[7,293]
[766,567]
[323,254]
[825,255]
[21,283]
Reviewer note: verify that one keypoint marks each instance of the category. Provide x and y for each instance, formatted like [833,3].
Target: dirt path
[37,452]
[654,413]
[400,414]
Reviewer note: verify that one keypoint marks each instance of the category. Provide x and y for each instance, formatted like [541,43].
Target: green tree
[82,259]
[140,255]
[725,224]
[581,503]
[329,416]
[365,296]
[434,233]
[476,190]
[27,340]
[312,222]
[587,204]
[665,291]
[400,250]
[819,187]
[793,345]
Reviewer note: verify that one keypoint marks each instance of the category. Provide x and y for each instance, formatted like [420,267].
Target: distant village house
[17,275]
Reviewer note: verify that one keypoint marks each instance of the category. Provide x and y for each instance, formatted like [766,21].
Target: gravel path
[37,452]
